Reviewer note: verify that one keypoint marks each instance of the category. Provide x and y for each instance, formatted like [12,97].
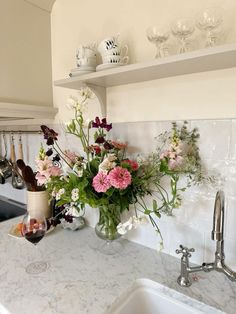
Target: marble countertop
[82,280]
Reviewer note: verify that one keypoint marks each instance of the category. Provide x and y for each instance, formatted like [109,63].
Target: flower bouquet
[103,177]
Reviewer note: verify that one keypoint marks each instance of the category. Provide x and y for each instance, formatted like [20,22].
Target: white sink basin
[3,310]
[149,297]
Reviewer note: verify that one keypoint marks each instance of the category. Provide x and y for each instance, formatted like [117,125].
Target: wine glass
[208,21]
[158,35]
[34,228]
[183,29]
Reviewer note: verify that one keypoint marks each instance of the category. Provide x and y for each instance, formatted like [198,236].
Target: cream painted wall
[25,54]
[210,95]
[205,95]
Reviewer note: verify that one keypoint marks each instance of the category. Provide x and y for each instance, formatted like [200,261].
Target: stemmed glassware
[183,29]
[34,227]
[158,35]
[208,21]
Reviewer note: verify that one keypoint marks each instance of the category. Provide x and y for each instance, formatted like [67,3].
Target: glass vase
[106,229]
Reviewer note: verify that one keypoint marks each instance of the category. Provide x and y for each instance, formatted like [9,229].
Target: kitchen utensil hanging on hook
[17,181]
[5,166]
[21,157]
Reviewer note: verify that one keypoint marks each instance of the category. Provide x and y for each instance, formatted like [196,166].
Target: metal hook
[20,138]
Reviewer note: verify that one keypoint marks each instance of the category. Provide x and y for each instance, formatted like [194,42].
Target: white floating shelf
[208,59]
[13,113]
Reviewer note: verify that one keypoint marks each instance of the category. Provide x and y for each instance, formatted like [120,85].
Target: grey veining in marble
[82,280]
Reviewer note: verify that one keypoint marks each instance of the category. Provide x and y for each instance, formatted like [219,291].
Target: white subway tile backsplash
[230,219]
[187,236]
[230,253]
[192,222]
[233,141]
[215,138]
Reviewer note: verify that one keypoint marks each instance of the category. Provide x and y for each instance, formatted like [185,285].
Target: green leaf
[154,204]
[163,166]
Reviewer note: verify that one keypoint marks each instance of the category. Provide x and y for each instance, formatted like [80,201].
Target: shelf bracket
[101,94]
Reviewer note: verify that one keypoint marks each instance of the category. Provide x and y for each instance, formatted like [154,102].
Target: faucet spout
[218,217]
[217,235]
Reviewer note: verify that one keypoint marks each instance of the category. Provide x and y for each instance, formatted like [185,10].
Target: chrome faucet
[216,235]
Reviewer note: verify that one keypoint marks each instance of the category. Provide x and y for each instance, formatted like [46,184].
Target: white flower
[72,211]
[75,194]
[64,177]
[75,191]
[74,197]
[123,228]
[86,92]
[111,157]
[59,194]
[72,102]
[132,223]
[78,170]
[108,163]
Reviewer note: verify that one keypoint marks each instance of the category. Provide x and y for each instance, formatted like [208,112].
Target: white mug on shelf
[115,59]
[118,51]
[86,51]
[87,61]
[108,44]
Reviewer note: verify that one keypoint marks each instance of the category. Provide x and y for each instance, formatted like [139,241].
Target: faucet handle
[185,251]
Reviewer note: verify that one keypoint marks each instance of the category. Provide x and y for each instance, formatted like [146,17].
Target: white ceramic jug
[38,202]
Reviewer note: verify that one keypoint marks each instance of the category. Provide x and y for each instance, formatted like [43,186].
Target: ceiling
[43,4]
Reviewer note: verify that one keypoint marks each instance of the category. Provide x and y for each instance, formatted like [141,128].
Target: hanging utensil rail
[20,132]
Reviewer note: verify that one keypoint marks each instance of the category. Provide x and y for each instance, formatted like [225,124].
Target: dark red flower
[108,127]
[103,123]
[56,158]
[68,218]
[97,150]
[97,123]
[49,134]
[49,152]
[107,146]
[100,140]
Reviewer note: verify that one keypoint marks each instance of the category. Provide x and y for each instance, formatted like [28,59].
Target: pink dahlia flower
[101,182]
[120,178]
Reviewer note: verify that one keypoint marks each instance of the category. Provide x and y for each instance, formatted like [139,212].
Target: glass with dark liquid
[34,237]
[34,228]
